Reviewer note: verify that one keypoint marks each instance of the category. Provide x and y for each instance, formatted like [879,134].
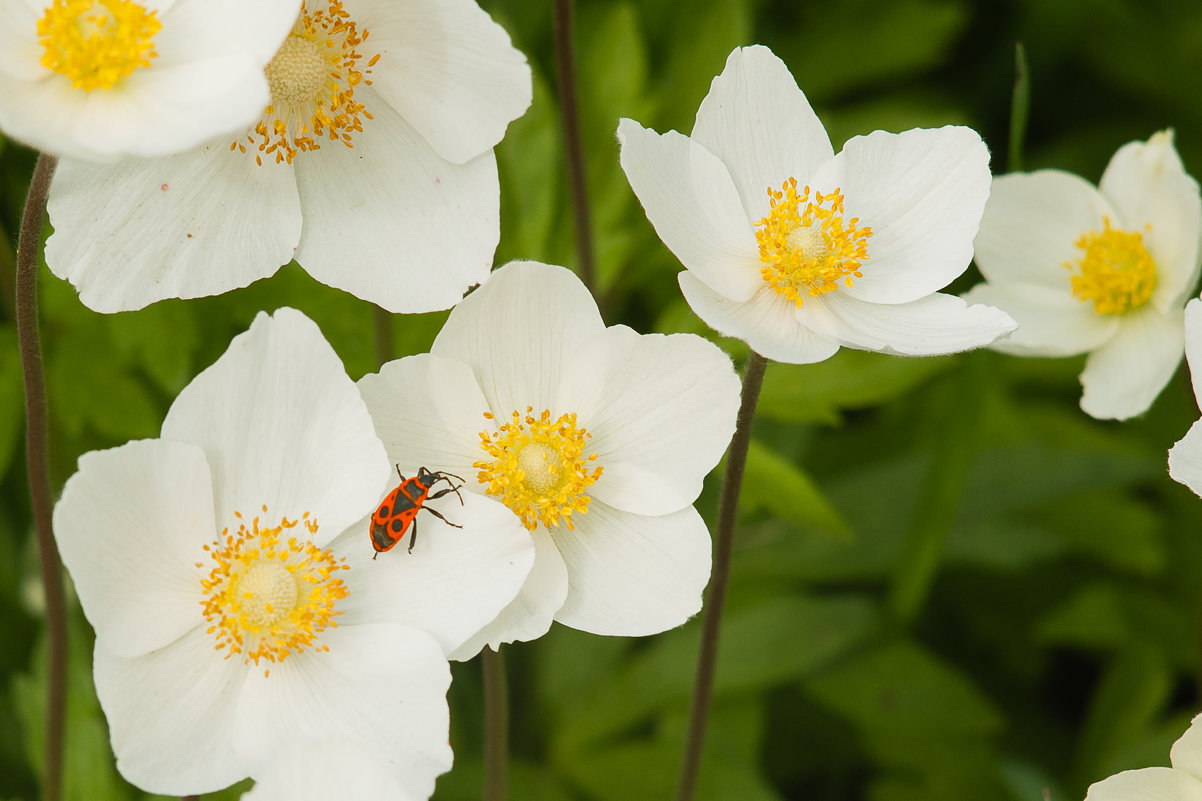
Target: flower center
[538,467]
[806,245]
[312,79]
[1117,272]
[96,43]
[268,596]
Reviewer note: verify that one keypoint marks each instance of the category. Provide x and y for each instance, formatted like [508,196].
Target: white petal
[1193,344]
[1186,754]
[530,614]
[631,575]
[172,715]
[380,686]
[761,126]
[20,51]
[517,331]
[1153,195]
[1125,375]
[429,412]
[1147,784]
[1185,459]
[661,411]
[158,111]
[1050,322]
[455,581]
[690,199]
[1031,224]
[198,29]
[931,326]
[141,230]
[922,193]
[283,426]
[767,323]
[324,769]
[131,525]
[449,70]
[391,221]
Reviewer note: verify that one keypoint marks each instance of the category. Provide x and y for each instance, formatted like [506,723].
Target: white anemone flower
[1181,782]
[798,250]
[100,79]
[324,770]
[227,570]
[1185,457]
[372,167]
[597,438]
[1102,270]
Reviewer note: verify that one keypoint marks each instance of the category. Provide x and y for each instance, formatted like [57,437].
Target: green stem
[382,326]
[728,505]
[1020,103]
[496,726]
[28,341]
[565,75]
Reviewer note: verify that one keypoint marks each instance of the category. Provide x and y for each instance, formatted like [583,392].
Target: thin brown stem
[565,76]
[496,726]
[736,460]
[28,341]
[382,326]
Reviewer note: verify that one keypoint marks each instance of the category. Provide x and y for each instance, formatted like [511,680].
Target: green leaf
[780,488]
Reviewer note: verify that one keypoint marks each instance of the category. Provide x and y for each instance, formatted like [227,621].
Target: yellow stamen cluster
[538,467]
[1116,273]
[267,597]
[96,43]
[313,78]
[806,245]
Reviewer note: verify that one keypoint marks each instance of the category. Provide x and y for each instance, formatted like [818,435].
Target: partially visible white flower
[326,770]
[1185,457]
[100,79]
[227,570]
[372,167]
[797,250]
[1104,270]
[1182,782]
[597,438]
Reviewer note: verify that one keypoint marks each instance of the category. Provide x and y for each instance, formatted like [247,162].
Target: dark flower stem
[28,341]
[736,460]
[565,76]
[381,320]
[496,726]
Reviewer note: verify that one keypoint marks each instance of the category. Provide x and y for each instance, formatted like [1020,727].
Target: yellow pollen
[96,43]
[806,245]
[270,594]
[1117,273]
[313,78]
[538,467]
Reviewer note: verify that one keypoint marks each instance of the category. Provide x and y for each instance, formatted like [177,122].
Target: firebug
[397,513]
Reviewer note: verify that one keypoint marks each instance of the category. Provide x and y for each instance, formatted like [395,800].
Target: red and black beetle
[398,512]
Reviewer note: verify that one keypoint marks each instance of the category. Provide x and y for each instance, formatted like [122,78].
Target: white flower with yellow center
[371,165]
[227,569]
[1181,782]
[1102,270]
[798,250]
[101,79]
[597,438]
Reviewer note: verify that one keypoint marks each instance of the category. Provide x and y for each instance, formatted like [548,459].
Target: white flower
[99,79]
[373,168]
[1182,782]
[227,570]
[598,439]
[1103,270]
[1185,457]
[797,250]
[325,770]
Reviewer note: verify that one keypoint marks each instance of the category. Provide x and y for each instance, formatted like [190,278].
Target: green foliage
[948,582]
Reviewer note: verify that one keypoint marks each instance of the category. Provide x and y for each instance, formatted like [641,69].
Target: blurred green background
[949,583]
